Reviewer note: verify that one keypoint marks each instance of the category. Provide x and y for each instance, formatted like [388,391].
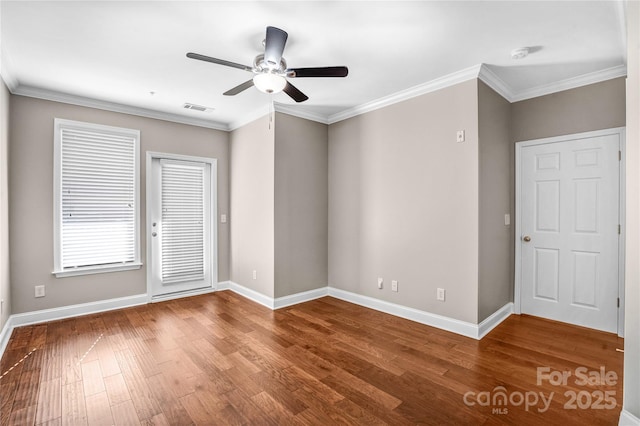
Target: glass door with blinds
[180,225]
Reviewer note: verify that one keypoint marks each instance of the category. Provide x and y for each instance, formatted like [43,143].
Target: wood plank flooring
[220,359]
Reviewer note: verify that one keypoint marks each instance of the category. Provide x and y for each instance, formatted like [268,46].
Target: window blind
[97,198]
[183,215]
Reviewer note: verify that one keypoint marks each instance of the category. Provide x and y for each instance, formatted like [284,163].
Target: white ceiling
[118,52]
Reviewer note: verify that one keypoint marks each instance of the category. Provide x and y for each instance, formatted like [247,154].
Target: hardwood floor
[220,359]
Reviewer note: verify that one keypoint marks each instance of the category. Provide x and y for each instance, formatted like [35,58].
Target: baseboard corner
[628,419]
[493,320]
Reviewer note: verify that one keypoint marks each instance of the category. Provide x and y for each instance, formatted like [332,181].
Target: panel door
[569,242]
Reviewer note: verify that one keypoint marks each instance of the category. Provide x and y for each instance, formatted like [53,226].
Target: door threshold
[181,294]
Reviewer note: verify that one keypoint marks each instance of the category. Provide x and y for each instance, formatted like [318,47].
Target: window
[96,209]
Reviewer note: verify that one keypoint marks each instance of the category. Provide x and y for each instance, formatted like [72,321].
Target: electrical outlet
[440,294]
[394,285]
[223,218]
[255,275]
[380,280]
[39,291]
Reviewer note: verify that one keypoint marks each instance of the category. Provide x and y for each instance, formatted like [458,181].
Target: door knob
[526,238]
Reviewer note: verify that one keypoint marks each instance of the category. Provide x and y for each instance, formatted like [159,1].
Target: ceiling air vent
[197,107]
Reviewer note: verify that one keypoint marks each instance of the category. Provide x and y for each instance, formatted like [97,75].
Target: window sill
[97,270]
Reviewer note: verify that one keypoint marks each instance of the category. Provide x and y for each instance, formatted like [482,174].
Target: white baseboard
[493,320]
[249,294]
[270,302]
[181,294]
[628,419]
[35,317]
[305,296]
[63,312]
[5,334]
[475,331]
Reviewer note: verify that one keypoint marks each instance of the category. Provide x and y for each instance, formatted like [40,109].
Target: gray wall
[495,257]
[252,206]
[301,157]
[5,291]
[403,202]
[593,107]
[31,200]
[632,232]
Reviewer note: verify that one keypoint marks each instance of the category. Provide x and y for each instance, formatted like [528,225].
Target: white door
[569,198]
[180,226]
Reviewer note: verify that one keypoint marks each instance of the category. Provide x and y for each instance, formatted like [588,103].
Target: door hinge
[618,302]
[619,155]
[619,229]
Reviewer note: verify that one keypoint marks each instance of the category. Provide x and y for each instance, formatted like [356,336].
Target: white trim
[45,315]
[492,80]
[213,163]
[270,302]
[621,15]
[182,294]
[474,331]
[5,71]
[250,294]
[70,311]
[299,112]
[5,334]
[493,320]
[628,419]
[249,118]
[60,124]
[571,83]
[96,270]
[621,132]
[305,296]
[480,71]
[623,223]
[421,89]
[51,95]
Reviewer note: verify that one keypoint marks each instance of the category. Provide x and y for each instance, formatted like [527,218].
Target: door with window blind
[180,226]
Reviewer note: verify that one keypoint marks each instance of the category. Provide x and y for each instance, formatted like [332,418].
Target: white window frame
[59,271]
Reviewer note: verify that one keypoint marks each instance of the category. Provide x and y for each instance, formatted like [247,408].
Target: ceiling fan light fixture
[269,83]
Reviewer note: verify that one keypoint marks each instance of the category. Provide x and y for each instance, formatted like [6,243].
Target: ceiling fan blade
[318,72]
[218,61]
[294,93]
[274,46]
[239,88]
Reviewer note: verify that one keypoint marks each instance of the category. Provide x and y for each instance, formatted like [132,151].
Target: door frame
[152,155]
[620,131]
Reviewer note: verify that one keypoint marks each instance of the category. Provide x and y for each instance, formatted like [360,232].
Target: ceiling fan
[270,69]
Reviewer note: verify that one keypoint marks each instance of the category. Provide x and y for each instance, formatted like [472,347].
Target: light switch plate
[507,219]
[460,136]
[223,218]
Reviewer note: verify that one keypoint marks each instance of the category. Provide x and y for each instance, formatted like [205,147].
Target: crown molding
[297,112]
[492,80]
[250,117]
[5,71]
[480,71]
[421,89]
[50,95]
[571,83]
